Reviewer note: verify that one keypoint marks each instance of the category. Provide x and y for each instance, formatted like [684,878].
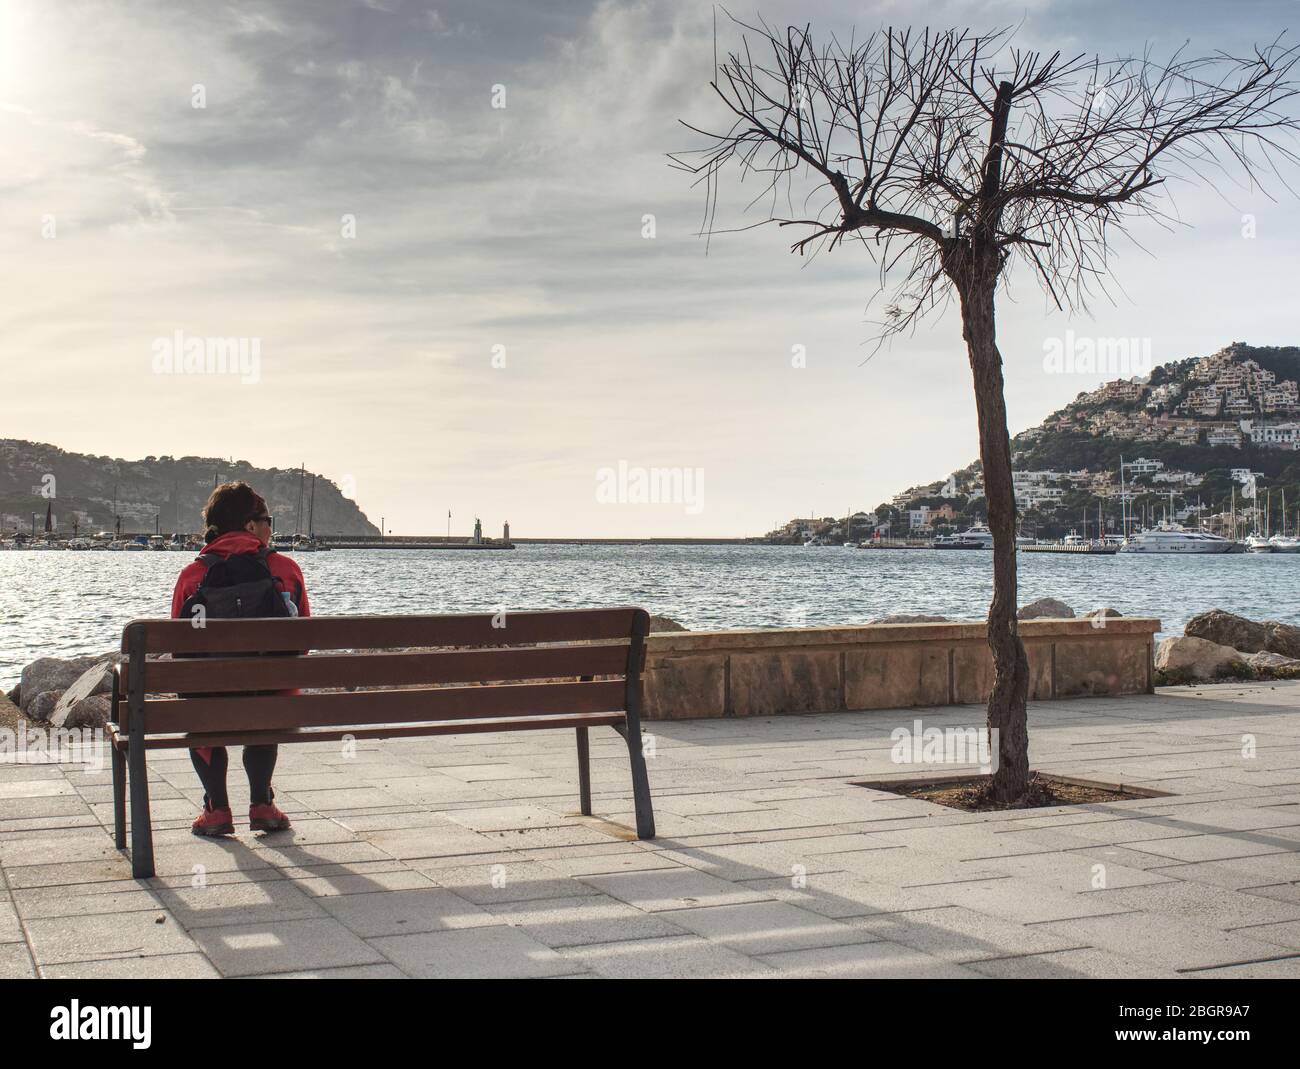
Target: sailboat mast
[1123,498]
[311,510]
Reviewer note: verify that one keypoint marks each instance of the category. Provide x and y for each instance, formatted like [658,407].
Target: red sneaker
[266,818]
[214,822]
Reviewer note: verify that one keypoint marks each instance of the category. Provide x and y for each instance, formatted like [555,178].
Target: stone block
[684,688]
[972,673]
[1102,666]
[788,681]
[896,676]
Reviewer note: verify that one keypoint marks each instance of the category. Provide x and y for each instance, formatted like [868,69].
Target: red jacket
[282,567]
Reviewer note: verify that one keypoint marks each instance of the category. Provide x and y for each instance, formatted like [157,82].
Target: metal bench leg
[119,796]
[584,773]
[645,815]
[630,729]
[141,829]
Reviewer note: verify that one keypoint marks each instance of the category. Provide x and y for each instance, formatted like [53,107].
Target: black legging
[259,763]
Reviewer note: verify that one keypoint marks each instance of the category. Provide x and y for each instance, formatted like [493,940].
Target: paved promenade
[463,857]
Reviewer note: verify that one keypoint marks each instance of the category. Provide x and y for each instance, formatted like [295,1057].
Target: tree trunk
[1006,708]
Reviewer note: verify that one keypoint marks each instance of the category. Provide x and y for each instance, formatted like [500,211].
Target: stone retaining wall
[884,666]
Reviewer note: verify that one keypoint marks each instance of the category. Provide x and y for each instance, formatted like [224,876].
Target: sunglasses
[260,519]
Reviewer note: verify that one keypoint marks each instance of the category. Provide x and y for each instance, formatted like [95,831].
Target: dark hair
[230,507]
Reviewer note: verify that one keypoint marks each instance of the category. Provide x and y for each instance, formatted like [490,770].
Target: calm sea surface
[65,603]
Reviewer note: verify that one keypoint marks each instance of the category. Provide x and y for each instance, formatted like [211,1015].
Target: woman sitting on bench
[238,575]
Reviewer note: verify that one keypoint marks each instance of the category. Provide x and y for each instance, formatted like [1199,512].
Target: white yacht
[975,537]
[1175,538]
[1285,544]
[1259,544]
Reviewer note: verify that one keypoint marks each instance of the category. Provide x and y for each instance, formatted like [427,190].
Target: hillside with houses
[1207,441]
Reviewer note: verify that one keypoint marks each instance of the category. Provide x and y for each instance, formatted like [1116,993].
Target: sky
[427,221]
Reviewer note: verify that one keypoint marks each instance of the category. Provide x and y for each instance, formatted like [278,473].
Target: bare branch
[952,155]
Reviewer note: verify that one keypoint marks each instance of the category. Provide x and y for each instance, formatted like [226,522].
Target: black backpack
[237,587]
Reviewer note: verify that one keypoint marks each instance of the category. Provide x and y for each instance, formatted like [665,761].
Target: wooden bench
[226,694]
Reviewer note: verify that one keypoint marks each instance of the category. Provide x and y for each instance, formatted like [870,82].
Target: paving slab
[759,928]
[1070,965]
[39,903]
[15,962]
[183,966]
[583,919]
[1280,969]
[672,889]
[875,960]
[346,972]
[1199,903]
[506,880]
[470,953]
[365,882]
[684,957]
[401,912]
[283,946]
[1284,933]
[958,934]
[1177,944]
[10,930]
[215,905]
[106,936]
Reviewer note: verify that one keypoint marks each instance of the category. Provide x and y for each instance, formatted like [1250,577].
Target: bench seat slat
[268,712]
[229,674]
[383,632]
[378,731]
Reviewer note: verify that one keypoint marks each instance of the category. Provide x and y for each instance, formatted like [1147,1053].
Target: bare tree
[952,157]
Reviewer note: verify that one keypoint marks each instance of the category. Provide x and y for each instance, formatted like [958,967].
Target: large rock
[42,675]
[43,706]
[664,623]
[1228,629]
[1248,636]
[1102,614]
[1045,609]
[51,673]
[1182,659]
[1282,638]
[75,708]
[90,712]
[1274,665]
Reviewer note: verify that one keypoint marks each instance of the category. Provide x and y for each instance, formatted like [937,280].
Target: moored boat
[1175,538]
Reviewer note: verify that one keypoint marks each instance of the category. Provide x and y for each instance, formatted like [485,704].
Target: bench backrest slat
[230,674]
[201,715]
[383,632]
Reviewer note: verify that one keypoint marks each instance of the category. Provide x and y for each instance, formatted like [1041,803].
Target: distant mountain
[81,489]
